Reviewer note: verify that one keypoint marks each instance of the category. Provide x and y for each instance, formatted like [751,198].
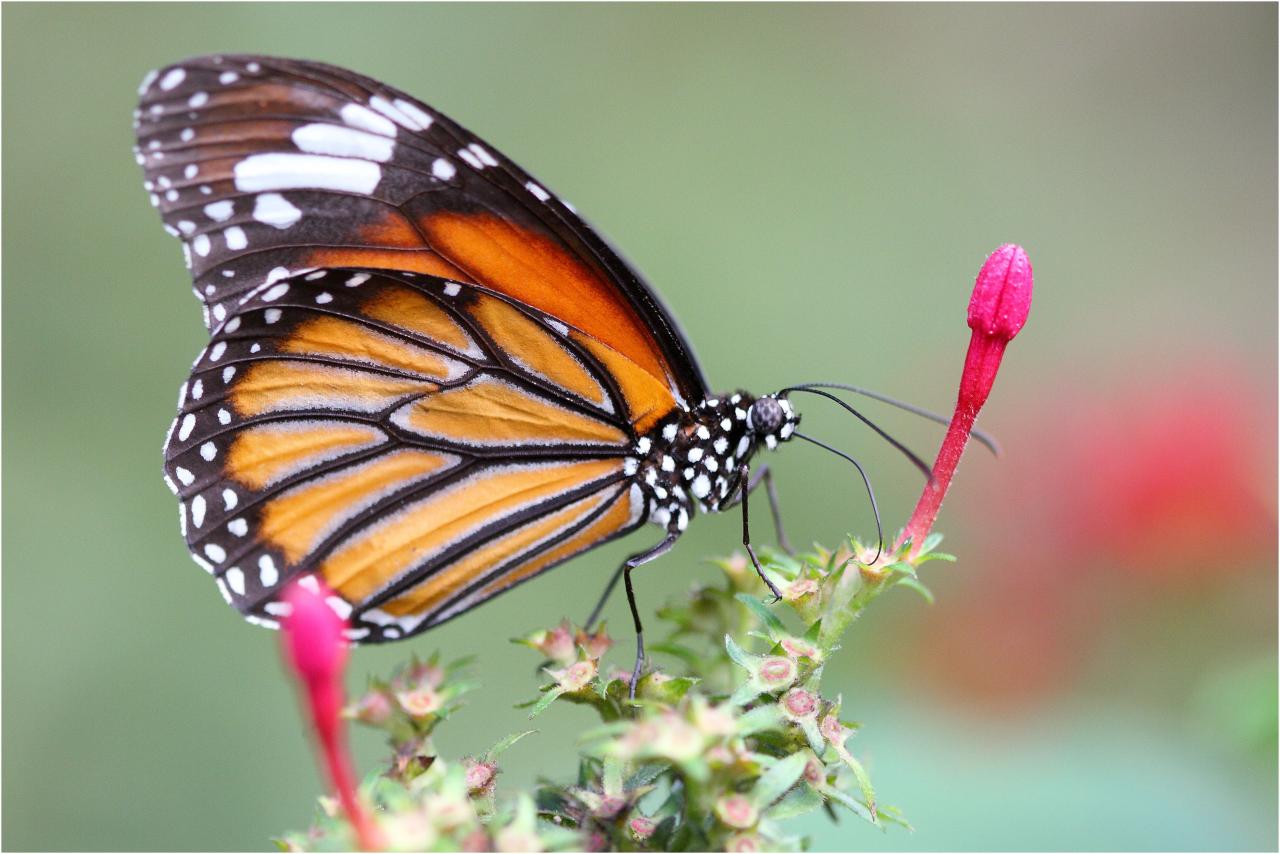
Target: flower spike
[315,649]
[998,310]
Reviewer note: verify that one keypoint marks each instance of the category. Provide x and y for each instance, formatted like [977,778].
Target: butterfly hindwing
[268,167]
[420,443]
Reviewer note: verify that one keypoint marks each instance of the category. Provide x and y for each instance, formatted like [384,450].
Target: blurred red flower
[1158,487]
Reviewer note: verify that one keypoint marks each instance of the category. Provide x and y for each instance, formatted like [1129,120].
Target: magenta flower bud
[316,649]
[641,827]
[815,773]
[743,843]
[1001,297]
[777,672]
[374,709]
[313,639]
[799,703]
[737,811]
[576,676]
[800,649]
[998,310]
[480,776]
[420,702]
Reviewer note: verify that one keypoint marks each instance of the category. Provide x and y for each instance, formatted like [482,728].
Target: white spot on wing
[366,119]
[275,292]
[343,142]
[172,79]
[285,171]
[443,169]
[542,194]
[219,211]
[411,110]
[267,573]
[236,239]
[275,210]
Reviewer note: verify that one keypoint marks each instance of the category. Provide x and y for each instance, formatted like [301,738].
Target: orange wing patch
[405,308]
[612,521]
[534,349]
[267,453]
[299,520]
[490,412]
[391,547]
[442,585]
[648,400]
[536,271]
[336,338]
[281,386]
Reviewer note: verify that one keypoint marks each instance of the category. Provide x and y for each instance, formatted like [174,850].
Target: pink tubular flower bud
[737,811]
[799,703]
[316,650]
[777,672]
[641,827]
[998,310]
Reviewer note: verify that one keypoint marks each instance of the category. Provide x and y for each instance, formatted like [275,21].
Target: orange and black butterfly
[427,379]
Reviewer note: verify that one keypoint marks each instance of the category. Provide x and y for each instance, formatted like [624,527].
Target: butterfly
[427,380]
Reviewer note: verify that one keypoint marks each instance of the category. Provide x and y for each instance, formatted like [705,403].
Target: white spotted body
[693,459]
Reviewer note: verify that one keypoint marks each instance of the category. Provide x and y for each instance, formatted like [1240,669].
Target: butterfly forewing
[420,443]
[268,167]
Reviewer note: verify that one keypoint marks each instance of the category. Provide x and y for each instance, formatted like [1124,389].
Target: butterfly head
[771,419]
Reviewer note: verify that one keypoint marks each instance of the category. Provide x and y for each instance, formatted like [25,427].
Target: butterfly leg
[765,474]
[744,477]
[631,563]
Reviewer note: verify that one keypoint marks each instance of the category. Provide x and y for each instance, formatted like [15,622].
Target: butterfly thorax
[694,457]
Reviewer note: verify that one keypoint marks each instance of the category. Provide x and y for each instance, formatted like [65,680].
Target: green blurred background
[812,188]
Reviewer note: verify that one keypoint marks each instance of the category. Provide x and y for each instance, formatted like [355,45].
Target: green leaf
[774,783]
[864,782]
[797,802]
[893,815]
[764,614]
[931,542]
[505,743]
[913,584]
[852,805]
[739,655]
[546,700]
[745,693]
[646,774]
[760,718]
[901,566]
[611,779]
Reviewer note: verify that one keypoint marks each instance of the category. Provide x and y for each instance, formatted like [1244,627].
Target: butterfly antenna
[982,436]
[911,455]
[875,509]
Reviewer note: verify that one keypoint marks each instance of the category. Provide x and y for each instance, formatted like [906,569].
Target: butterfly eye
[766,416]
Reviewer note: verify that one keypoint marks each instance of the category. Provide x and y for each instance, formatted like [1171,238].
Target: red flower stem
[998,309]
[316,651]
[326,707]
[983,360]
